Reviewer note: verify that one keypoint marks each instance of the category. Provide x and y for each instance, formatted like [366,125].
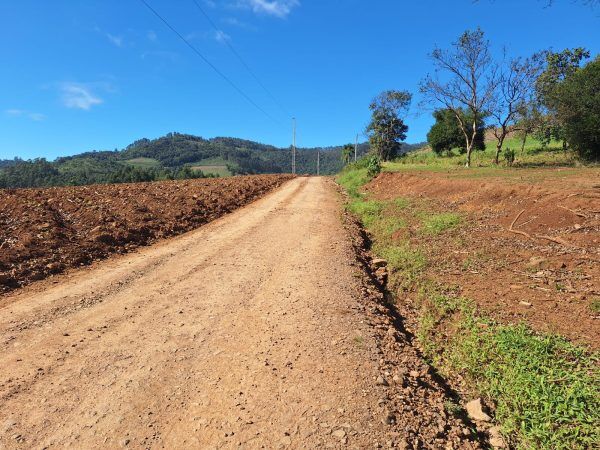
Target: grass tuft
[353,180]
[438,223]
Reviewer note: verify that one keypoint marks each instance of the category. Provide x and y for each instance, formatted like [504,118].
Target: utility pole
[355,147]
[294,147]
[318,162]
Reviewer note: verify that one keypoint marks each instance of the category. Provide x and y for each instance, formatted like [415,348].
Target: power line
[212,66]
[239,57]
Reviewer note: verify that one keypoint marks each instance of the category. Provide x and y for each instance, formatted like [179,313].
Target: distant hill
[175,155]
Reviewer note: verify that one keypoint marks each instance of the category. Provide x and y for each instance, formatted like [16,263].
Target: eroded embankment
[46,231]
[480,271]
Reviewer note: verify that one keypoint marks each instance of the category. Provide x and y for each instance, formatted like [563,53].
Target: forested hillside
[174,156]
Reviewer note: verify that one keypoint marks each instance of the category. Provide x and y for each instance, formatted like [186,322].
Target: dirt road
[250,331]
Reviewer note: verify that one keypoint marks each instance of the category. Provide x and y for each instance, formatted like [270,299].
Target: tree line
[550,95]
[174,155]
[42,173]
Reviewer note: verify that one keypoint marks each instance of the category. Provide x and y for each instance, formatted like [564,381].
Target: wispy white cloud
[151,35]
[194,35]
[38,117]
[116,40]
[24,113]
[14,112]
[277,8]
[235,22]
[221,37]
[79,96]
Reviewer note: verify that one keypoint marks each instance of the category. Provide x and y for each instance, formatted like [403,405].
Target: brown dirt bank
[546,271]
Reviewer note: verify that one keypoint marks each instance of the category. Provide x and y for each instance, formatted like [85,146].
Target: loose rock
[475,411]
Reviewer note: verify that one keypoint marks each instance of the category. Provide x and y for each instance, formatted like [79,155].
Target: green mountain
[172,156]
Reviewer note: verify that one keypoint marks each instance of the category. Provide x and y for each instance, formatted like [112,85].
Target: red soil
[546,274]
[46,231]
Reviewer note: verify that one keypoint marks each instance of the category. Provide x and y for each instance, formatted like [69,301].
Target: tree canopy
[387,129]
[577,103]
[445,134]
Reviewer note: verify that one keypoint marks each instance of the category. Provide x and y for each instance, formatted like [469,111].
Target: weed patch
[369,211]
[438,223]
[546,390]
[405,262]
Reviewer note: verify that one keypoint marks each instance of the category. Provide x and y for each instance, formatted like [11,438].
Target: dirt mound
[46,231]
[528,251]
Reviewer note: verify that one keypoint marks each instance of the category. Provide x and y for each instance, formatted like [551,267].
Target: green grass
[215,161]
[438,223]
[388,226]
[215,166]
[533,155]
[401,203]
[369,211]
[353,180]
[144,163]
[221,171]
[595,305]
[546,391]
[404,262]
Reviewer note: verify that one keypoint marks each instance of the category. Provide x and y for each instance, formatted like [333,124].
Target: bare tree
[515,90]
[470,83]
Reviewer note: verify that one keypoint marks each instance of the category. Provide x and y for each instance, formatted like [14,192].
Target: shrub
[373,166]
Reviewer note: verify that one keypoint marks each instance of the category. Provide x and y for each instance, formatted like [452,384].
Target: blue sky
[84,75]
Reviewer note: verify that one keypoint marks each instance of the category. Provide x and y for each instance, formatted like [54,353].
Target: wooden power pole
[294,147]
[318,162]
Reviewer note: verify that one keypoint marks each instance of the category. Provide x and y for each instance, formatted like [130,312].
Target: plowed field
[46,231]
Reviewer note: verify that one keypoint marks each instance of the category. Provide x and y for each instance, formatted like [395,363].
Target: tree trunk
[498,150]
[470,144]
[523,143]
[469,148]
[500,140]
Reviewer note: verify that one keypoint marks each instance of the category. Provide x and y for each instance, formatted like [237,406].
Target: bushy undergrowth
[546,391]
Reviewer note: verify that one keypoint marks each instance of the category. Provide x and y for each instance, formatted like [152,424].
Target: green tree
[347,151]
[559,66]
[387,129]
[577,106]
[529,120]
[446,134]
[515,90]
